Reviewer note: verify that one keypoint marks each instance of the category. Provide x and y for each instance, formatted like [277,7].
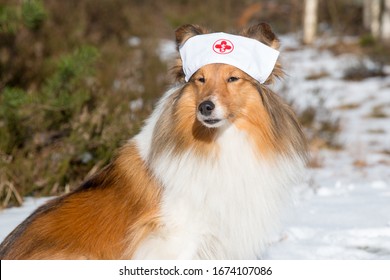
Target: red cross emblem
[223,46]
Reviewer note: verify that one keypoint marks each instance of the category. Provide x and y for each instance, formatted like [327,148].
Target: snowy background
[342,210]
[343,207]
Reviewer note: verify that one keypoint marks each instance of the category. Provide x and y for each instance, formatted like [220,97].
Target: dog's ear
[183,33]
[187,31]
[263,33]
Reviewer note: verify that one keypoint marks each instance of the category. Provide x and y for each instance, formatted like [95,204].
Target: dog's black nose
[206,107]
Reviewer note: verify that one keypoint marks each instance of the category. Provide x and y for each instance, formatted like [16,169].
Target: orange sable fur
[105,218]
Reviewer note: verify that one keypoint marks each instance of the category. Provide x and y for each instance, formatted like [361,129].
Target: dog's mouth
[212,121]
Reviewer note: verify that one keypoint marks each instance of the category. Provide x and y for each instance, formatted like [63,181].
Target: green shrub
[33,13]
[65,92]
[367,40]
[8,19]
[12,129]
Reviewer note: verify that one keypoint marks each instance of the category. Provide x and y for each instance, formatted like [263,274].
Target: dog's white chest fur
[221,207]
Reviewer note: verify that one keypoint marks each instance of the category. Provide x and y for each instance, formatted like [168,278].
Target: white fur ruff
[222,207]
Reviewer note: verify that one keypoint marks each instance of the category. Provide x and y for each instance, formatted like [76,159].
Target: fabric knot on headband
[251,56]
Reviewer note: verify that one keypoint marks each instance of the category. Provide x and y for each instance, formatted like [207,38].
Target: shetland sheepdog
[206,177]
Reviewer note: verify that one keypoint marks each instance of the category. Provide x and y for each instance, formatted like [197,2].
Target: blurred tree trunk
[310,21]
[372,10]
[385,26]
[376,18]
[366,14]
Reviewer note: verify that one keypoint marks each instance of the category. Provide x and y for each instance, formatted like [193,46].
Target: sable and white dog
[205,178]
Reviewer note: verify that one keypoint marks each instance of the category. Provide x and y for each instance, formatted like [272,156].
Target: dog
[206,177]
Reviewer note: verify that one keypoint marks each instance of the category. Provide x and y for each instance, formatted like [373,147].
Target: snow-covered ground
[342,210]
[10,218]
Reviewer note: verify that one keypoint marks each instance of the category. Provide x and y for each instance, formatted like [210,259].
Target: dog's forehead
[220,68]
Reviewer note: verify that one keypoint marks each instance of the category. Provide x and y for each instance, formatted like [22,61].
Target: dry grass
[317,76]
[9,194]
[321,132]
[361,71]
[360,163]
[350,106]
[376,131]
[378,112]
[385,152]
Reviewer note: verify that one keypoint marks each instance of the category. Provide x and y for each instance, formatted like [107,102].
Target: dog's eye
[202,80]
[232,79]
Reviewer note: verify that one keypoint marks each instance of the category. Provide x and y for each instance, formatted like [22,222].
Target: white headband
[249,55]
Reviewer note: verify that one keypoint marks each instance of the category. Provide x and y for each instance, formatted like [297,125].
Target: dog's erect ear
[183,33]
[187,31]
[263,33]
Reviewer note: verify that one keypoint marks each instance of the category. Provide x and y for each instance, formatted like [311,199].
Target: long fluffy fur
[180,189]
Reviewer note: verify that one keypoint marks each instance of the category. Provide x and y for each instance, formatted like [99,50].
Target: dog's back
[104,219]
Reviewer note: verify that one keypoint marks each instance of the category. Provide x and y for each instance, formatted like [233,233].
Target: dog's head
[223,92]
[214,95]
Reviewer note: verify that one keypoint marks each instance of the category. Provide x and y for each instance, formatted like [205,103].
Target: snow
[342,209]
[10,218]
[166,50]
